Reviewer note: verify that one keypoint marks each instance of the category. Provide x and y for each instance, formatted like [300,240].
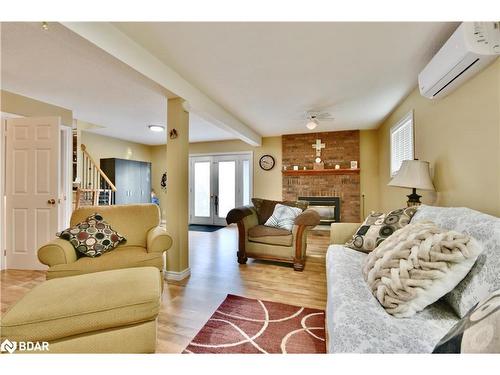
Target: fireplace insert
[327,207]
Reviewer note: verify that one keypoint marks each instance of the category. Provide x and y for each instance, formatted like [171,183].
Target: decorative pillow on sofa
[283,217]
[417,265]
[377,227]
[92,237]
[265,207]
[483,278]
[477,332]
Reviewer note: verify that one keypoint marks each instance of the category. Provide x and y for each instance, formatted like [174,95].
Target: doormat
[204,228]
[244,325]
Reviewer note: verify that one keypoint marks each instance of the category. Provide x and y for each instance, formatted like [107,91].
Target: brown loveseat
[262,242]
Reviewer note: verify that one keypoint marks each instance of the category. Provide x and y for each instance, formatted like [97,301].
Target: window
[401,142]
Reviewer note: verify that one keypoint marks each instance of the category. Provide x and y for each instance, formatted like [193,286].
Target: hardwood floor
[14,284]
[187,305]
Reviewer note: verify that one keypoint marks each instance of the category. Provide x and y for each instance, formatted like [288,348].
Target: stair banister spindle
[103,175]
[96,188]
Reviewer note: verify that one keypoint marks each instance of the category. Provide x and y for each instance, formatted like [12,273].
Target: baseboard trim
[177,276]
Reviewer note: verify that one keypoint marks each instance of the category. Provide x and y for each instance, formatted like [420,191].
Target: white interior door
[32,188]
[218,183]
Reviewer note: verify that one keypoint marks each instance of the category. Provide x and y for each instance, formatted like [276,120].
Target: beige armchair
[139,224]
[258,241]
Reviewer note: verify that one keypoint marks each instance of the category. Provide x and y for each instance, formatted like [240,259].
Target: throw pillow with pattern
[283,217]
[476,332]
[92,237]
[377,227]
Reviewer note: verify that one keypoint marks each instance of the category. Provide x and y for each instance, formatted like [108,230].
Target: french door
[217,184]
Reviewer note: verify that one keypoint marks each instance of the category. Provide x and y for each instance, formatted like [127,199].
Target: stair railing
[95,187]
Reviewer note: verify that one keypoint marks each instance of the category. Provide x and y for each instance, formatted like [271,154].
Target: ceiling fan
[313,118]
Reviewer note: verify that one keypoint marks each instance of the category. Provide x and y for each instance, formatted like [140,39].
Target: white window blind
[401,142]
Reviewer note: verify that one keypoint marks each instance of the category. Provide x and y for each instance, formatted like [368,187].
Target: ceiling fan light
[312,124]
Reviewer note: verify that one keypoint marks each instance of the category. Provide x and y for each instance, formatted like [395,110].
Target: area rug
[204,228]
[244,325]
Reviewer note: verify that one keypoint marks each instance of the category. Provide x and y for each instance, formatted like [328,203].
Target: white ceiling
[269,74]
[266,74]
[61,68]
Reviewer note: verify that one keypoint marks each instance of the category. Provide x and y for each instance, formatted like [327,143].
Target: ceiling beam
[116,43]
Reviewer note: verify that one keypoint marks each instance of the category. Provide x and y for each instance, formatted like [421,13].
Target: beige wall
[101,147]
[369,174]
[266,184]
[460,136]
[24,106]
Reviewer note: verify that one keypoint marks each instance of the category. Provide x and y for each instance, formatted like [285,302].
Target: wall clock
[267,162]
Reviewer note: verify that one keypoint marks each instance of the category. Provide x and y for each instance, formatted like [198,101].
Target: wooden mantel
[320,172]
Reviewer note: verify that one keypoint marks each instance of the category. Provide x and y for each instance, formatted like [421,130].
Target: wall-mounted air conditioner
[472,47]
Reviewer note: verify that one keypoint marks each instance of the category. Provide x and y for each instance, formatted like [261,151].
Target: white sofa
[357,323]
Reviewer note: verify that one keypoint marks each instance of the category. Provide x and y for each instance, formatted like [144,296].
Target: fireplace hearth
[328,208]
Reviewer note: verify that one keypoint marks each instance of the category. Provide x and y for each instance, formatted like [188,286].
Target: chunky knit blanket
[417,265]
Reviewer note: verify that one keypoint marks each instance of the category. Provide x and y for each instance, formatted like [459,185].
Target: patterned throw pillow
[283,217]
[377,227]
[476,332]
[92,237]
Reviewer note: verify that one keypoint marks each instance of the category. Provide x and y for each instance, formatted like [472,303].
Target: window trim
[394,128]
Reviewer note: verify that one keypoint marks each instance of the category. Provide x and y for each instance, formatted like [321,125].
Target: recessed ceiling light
[156,128]
[45,26]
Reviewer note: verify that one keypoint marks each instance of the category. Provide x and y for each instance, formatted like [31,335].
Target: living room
[276,199]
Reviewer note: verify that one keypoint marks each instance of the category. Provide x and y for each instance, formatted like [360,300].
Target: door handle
[216,204]
[51,201]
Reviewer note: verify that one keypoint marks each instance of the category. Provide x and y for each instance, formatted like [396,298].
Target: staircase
[95,189]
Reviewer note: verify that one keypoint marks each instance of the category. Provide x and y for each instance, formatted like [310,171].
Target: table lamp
[413,174]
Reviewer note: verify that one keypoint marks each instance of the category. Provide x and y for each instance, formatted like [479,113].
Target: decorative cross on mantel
[318,146]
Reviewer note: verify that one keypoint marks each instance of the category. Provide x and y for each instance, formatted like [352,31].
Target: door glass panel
[246,182]
[227,187]
[202,189]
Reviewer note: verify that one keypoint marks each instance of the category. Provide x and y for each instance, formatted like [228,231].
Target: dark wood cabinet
[131,178]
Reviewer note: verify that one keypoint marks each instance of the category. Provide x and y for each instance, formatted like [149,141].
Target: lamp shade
[413,174]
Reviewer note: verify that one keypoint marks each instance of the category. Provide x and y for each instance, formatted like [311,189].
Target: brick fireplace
[341,148]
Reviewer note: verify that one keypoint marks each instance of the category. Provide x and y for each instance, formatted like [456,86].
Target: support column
[177,195]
